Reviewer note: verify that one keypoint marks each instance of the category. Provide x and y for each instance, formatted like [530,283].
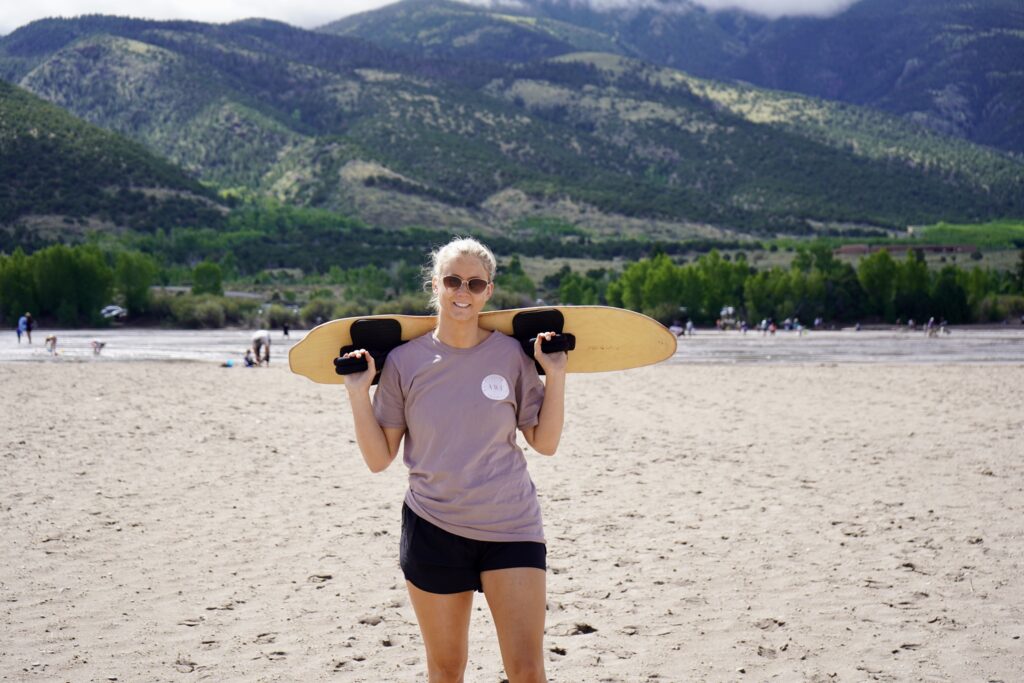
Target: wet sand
[792,522]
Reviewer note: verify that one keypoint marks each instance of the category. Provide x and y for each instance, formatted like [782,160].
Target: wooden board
[606,339]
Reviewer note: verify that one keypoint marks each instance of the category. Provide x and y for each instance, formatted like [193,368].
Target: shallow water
[849,346]
[967,345]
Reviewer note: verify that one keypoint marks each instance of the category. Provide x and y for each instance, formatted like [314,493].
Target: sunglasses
[474,284]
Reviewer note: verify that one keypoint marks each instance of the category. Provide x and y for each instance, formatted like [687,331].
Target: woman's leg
[518,602]
[444,623]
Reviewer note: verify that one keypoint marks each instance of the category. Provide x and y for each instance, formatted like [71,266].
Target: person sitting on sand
[250,362]
[471,519]
[97,346]
[50,344]
[261,342]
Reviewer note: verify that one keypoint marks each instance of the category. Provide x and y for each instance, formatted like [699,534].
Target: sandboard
[604,338]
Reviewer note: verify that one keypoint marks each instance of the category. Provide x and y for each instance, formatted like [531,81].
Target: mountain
[950,65]
[606,143]
[443,28]
[60,175]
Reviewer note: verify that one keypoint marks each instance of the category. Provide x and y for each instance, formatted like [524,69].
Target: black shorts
[437,561]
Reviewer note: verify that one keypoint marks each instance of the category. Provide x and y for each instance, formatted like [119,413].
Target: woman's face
[461,303]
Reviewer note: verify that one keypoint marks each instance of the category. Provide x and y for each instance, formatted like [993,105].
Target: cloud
[779,8]
[313,13]
[767,8]
[304,13]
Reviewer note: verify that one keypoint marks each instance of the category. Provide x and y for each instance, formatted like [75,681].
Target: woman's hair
[459,246]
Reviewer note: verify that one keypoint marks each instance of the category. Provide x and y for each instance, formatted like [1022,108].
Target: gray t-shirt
[460,409]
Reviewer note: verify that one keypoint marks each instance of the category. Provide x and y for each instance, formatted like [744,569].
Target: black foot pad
[526,327]
[378,337]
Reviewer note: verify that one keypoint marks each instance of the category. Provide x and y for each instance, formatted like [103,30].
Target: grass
[1006,234]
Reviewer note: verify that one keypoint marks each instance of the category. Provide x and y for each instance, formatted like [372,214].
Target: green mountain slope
[950,65]
[598,140]
[443,28]
[59,175]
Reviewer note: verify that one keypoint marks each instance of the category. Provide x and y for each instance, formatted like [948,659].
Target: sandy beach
[171,521]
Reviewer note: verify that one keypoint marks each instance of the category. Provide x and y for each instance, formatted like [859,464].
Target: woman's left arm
[544,436]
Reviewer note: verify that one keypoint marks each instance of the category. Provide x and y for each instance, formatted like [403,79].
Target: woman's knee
[447,668]
[525,670]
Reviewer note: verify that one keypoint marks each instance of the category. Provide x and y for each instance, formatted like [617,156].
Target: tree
[17,288]
[912,284]
[72,283]
[512,278]
[877,275]
[1018,273]
[133,275]
[949,297]
[206,279]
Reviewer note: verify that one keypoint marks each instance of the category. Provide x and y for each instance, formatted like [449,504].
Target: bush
[206,279]
[322,308]
[407,304]
[279,315]
[504,299]
[206,311]
[197,312]
[351,309]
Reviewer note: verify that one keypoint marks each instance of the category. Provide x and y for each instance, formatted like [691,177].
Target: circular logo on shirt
[495,387]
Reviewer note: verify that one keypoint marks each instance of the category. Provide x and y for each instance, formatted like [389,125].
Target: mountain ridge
[337,123]
[943,64]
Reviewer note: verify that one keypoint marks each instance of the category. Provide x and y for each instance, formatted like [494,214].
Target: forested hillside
[59,175]
[605,143]
[949,65]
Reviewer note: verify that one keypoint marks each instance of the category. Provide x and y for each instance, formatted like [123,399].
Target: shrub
[279,315]
[504,299]
[322,308]
[350,309]
[206,279]
[407,304]
[197,312]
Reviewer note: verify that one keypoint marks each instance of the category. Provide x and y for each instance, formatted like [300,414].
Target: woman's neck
[460,334]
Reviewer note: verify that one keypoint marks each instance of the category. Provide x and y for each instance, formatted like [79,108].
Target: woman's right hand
[361,381]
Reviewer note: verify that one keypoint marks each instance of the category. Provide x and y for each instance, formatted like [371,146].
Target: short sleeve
[529,393]
[389,401]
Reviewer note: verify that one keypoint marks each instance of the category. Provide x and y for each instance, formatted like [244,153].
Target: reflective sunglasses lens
[454,283]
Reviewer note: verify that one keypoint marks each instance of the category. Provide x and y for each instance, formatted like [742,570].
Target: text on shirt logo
[495,387]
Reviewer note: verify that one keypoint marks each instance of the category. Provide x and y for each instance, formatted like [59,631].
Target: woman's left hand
[553,363]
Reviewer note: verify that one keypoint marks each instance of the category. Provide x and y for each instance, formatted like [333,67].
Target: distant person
[689,328]
[676,329]
[29,323]
[21,327]
[284,329]
[50,344]
[261,347]
[97,346]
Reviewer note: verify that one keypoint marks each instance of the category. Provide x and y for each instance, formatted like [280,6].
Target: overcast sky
[312,13]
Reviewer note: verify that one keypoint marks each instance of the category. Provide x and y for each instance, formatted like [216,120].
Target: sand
[183,522]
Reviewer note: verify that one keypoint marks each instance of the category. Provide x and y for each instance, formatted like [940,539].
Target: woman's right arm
[379,445]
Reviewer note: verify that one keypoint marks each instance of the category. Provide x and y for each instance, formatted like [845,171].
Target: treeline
[71,285]
[816,285]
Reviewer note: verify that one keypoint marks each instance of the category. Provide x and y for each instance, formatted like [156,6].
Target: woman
[471,520]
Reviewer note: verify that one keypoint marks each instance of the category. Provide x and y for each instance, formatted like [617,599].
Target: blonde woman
[471,519]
